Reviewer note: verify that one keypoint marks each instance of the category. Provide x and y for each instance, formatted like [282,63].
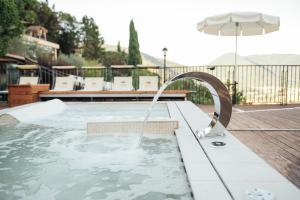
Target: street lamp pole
[165,64]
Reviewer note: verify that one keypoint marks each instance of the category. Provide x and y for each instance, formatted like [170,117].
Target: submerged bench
[154,126]
[177,95]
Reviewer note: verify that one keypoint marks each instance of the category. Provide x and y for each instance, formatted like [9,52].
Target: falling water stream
[155,99]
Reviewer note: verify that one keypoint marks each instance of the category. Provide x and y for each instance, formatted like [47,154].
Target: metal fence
[257,84]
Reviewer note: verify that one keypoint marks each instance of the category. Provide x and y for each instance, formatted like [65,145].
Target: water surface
[54,158]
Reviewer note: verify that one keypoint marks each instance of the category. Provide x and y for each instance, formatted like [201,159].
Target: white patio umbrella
[239,24]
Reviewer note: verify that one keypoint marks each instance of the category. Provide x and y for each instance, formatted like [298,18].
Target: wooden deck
[281,149]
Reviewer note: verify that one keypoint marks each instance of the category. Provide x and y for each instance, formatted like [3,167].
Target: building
[37,35]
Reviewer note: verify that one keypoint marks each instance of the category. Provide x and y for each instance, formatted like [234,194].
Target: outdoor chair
[93,84]
[28,80]
[64,83]
[148,83]
[122,83]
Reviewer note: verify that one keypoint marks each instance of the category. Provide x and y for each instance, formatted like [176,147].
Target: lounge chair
[93,84]
[122,83]
[28,80]
[64,83]
[148,83]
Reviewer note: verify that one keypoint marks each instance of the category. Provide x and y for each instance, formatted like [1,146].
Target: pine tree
[69,33]
[134,55]
[92,40]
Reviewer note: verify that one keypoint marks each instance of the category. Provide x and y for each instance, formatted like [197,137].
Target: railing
[257,84]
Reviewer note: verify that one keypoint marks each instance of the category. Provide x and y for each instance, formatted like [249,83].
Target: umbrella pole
[235,58]
[234,99]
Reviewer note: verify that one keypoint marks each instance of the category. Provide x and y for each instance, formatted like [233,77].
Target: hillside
[226,59]
[262,59]
[148,60]
[275,59]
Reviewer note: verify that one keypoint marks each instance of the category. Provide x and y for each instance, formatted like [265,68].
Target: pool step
[158,126]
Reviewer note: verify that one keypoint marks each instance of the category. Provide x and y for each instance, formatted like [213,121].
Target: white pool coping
[217,173]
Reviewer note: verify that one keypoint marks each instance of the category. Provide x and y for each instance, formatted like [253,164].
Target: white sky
[172,24]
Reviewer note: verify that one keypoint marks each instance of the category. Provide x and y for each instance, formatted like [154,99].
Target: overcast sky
[172,24]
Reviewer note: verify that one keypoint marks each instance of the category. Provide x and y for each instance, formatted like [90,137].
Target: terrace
[84,117]
[271,131]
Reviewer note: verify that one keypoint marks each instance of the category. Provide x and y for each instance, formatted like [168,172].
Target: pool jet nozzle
[222,102]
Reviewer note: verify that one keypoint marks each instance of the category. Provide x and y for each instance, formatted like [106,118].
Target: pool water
[53,158]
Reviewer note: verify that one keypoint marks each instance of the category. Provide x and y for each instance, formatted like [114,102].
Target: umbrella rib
[260,26]
[221,27]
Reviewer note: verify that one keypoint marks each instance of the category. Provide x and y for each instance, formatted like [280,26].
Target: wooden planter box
[24,94]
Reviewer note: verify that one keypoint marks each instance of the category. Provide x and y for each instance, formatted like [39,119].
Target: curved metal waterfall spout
[222,101]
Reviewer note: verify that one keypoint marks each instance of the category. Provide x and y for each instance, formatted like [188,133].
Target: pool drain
[218,143]
[259,194]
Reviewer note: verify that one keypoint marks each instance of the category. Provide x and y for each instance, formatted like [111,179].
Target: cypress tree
[134,55]
[119,47]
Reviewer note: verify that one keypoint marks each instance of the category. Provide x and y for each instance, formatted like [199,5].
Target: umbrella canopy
[239,24]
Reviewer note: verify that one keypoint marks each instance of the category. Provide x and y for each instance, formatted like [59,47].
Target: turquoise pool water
[53,158]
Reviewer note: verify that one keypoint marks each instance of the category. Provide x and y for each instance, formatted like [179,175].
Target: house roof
[14,58]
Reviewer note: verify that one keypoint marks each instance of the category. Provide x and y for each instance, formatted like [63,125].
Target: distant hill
[275,59]
[262,59]
[225,59]
[148,60]
[228,59]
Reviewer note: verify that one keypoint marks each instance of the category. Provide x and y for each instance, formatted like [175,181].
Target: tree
[48,18]
[119,47]
[27,11]
[10,24]
[114,58]
[68,38]
[134,55]
[91,39]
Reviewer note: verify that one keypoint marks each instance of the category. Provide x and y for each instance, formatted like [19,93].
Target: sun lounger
[64,83]
[122,83]
[148,83]
[28,80]
[93,84]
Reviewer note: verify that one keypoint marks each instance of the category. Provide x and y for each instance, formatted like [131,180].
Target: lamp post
[165,54]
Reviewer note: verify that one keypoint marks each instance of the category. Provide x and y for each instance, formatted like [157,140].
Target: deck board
[281,149]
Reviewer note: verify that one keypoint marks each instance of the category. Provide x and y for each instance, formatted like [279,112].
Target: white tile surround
[236,168]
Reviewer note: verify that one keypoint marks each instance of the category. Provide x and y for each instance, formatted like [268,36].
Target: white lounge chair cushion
[24,80]
[93,84]
[64,83]
[122,83]
[148,83]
